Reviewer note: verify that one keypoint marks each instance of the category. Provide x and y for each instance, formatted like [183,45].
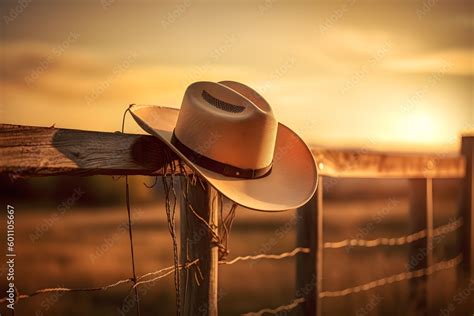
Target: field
[84,246]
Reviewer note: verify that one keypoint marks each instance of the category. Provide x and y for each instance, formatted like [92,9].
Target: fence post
[309,267]
[421,251]
[467,208]
[197,242]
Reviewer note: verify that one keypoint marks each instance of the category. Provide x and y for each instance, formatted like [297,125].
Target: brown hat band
[217,166]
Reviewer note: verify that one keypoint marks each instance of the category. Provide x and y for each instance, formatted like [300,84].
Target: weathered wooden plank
[39,151]
[366,164]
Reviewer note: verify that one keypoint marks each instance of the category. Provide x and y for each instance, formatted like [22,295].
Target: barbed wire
[395,241]
[443,265]
[167,271]
[171,269]
[266,256]
[65,289]
[279,309]
[161,273]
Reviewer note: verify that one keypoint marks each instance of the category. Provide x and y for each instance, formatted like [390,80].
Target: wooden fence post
[467,208]
[421,251]
[309,267]
[198,243]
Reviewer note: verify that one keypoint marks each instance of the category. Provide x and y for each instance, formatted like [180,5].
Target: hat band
[217,166]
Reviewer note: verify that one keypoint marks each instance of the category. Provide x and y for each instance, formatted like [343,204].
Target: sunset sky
[385,74]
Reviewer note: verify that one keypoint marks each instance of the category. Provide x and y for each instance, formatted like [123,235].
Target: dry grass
[67,255]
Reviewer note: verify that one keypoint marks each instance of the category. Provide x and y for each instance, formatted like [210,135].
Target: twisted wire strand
[268,256]
[219,241]
[186,276]
[130,234]
[396,241]
[161,273]
[170,207]
[164,270]
[279,309]
[225,228]
[443,265]
[168,270]
[64,289]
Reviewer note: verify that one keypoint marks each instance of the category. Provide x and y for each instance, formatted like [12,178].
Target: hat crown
[227,122]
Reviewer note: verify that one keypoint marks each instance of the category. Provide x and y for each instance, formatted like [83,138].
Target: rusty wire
[158,274]
[394,241]
[440,266]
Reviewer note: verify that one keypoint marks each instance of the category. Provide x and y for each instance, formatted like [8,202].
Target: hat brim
[291,183]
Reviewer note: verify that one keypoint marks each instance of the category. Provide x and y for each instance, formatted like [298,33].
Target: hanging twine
[170,207]
[132,252]
[219,239]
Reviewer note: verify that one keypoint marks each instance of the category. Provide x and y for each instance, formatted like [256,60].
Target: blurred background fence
[423,238]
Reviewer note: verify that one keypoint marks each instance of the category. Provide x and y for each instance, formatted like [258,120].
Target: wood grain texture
[198,243]
[42,151]
[39,151]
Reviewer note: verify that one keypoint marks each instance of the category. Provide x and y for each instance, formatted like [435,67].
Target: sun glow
[343,84]
[420,127]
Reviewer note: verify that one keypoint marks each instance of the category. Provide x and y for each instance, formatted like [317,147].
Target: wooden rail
[42,151]
[359,163]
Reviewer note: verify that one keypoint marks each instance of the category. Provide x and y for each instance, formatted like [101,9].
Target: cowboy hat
[227,133]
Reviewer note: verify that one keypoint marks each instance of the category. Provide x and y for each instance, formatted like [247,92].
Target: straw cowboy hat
[226,133]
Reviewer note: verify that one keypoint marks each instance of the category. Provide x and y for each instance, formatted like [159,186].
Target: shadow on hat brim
[291,183]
